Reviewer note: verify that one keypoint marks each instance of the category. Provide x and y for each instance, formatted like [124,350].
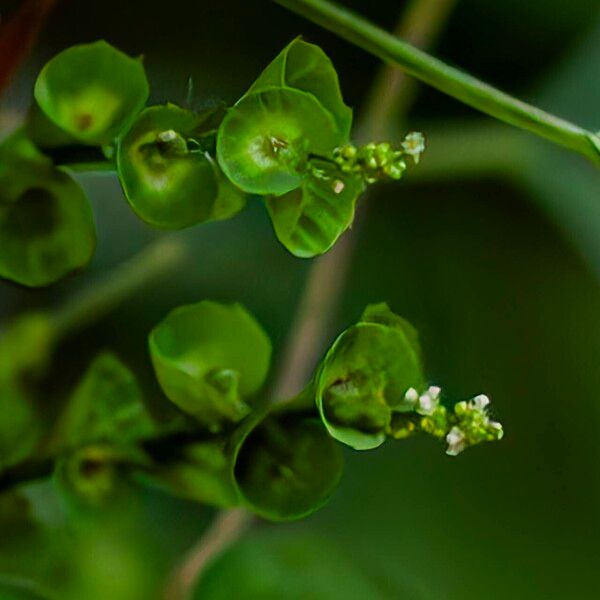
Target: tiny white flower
[456,441]
[480,402]
[434,391]
[338,186]
[167,136]
[427,404]
[498,428]
[411,395]
[414,144]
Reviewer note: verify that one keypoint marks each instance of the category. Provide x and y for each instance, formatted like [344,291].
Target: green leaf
[363,379]
[19,425]
[46,223]
[106,406]
[309,220]
[199,471]
[92,91]
[285,466]
[208,358]
[167,184]
[265,140]
[95,476]
[17,589]
[307,68]
[290,565]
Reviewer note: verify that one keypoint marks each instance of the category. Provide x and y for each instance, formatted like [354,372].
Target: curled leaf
[309,220]
[46,223]
[305,67]
[266,138]
[364,377]
[285,466]
[92,91]
[209,358]
[167,183]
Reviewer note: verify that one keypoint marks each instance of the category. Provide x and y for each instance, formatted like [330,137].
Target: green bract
[209,358]
[307,68]
[46,223]
[106,406]
[309,220]
[266,138]
[364,377]
[286,466]
[167,183]
[199,471]
[92,91]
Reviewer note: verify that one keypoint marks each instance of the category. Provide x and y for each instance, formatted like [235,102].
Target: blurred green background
[498,267]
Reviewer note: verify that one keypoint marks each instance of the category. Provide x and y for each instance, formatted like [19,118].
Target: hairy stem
[447,79]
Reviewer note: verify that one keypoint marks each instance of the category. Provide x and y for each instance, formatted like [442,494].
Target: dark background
[498,271]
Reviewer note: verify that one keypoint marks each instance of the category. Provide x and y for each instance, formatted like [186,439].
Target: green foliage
[310,219]
[46,224]
[167,183]
[209,359]
[106,406]
[92,91]
[305,67]
[265,140]
[274,466]
[364,377]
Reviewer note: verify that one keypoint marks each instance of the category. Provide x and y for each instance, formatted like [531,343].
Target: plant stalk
[447,79]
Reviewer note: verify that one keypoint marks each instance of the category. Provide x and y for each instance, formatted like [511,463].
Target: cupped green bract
[266,138]
[106,406]
[198,471]
[92,91]
[286,466]
[307,68]
[166,184]
[46,223]
[209,358]
[363,380]
[309,220]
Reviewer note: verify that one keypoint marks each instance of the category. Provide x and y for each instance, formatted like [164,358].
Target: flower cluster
[379,162]
[466,424]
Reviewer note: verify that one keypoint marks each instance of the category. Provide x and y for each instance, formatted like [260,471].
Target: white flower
[480,402]
[427,404]
[434,391]
[411,395]
[456,441]
[414,144]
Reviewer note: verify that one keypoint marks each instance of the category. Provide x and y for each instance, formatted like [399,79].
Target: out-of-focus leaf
[46,223]
[92,91]
[209,358]
[364,377]
[167,184]
[13,588]
[310,219]
[199,471]
[106,406]
[290,566]
[307,68]
[285,466]
[266,138]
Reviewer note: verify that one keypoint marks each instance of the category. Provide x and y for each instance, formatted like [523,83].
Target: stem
[445,78]
[99,299]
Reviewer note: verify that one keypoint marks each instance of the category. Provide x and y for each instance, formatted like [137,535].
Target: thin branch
[447,79]
[226,528]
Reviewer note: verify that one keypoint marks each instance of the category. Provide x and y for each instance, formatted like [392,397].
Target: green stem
[97,300]
[445,78]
